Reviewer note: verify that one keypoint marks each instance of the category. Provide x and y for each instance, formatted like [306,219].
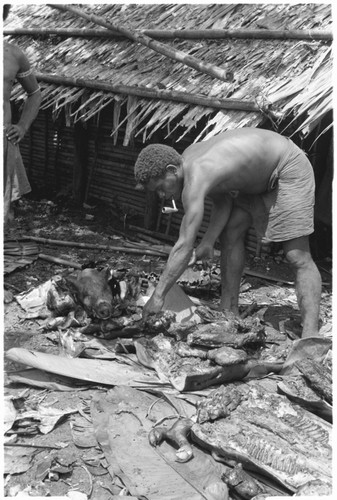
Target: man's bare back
[238,160]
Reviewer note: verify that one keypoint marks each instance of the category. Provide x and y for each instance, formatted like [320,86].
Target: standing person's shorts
[15,181]
[286,210]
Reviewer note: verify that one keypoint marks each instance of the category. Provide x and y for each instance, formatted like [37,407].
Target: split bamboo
[182,34]
[168,95]
[57,260]
[177,55]
[126,249]
[153,233]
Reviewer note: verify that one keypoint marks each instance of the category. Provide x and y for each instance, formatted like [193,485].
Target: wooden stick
[62,262]
[125,247]
[165,237]
[144,92]
[182,34]
[257,274]
[42,447]
[177,55]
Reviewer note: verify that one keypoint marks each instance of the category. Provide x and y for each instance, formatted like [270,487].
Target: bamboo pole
[182,34]
[177,55]
[127,249]
[257,274]
[168,95]
[57,260]
[157,234]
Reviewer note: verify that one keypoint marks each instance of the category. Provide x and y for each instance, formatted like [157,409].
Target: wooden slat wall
[48,153]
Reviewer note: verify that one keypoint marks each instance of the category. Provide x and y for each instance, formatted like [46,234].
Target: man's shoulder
[14,51]
[12,47]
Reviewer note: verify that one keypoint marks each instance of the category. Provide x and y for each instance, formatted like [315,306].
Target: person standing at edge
[254,177]
[16,67]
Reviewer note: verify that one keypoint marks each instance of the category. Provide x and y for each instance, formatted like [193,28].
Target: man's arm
[27,79]
[221,210]
[180,253]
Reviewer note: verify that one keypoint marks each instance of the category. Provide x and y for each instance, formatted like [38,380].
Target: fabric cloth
[286,210]
[15,181]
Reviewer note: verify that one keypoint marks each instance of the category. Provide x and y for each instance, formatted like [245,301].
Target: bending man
[254,177]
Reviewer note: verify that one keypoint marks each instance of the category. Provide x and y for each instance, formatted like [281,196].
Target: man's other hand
[15,133]
[204,253]
[153,306]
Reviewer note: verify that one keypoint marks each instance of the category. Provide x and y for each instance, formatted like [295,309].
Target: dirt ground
[64,462]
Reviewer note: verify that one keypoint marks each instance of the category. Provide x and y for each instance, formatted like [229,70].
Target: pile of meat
[251,429]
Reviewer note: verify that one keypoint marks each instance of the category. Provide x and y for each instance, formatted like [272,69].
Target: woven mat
[19,253]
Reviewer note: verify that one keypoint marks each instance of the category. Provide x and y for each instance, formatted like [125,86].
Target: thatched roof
[277,76]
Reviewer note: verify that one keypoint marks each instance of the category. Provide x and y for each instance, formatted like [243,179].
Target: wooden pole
[177,55]
[80,170]
[181,34]
[127,249]
[168,95]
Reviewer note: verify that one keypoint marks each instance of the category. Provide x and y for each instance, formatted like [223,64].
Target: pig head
[95,291]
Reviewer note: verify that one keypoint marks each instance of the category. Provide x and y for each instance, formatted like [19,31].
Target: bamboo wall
[48,153]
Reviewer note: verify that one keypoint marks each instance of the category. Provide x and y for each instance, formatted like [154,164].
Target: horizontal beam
[183,34]
[151,93]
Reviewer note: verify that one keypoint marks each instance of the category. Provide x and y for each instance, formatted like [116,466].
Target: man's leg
[308,283]
[232,241]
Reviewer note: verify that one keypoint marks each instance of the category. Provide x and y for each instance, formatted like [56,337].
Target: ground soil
[57,221]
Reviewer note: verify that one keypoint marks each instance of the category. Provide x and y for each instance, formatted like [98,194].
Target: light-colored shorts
[286,210]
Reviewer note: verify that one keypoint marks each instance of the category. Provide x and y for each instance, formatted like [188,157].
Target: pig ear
[71,284]
[110,274]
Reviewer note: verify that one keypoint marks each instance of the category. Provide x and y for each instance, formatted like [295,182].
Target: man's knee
[297,253]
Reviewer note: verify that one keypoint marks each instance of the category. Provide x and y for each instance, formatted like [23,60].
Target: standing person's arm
[27,80]
[221,209]
[180,253]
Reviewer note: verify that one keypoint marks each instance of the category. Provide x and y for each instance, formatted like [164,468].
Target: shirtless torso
[238,160]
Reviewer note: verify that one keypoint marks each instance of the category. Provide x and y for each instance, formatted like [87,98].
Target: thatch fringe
[269,74]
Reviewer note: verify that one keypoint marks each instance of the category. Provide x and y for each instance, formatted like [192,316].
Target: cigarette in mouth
[170,210]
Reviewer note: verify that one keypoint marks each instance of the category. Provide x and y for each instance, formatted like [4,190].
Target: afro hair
[153,160]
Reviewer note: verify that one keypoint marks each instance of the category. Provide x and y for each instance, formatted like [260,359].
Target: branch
[169,95]
[177,55]
[181,34]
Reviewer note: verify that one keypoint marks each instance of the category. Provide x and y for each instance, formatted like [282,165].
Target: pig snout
[103,309]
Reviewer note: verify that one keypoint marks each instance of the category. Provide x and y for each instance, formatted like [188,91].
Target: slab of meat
[297,390]
[224,333]
[219,404]
[314,488]
[234,323]
[318,377]
[184,373]
[225,356]
[266,433]
[242,483]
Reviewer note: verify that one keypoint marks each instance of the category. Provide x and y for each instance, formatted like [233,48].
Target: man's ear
[172,169]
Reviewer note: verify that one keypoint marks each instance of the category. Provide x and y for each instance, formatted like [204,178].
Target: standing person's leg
[308,283]
[8,175]
[232,241]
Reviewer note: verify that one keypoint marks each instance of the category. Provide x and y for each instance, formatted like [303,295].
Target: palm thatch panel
[282,77]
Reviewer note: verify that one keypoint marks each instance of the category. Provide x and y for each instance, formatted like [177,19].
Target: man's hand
[153,306]
[15,133]
[203,252]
